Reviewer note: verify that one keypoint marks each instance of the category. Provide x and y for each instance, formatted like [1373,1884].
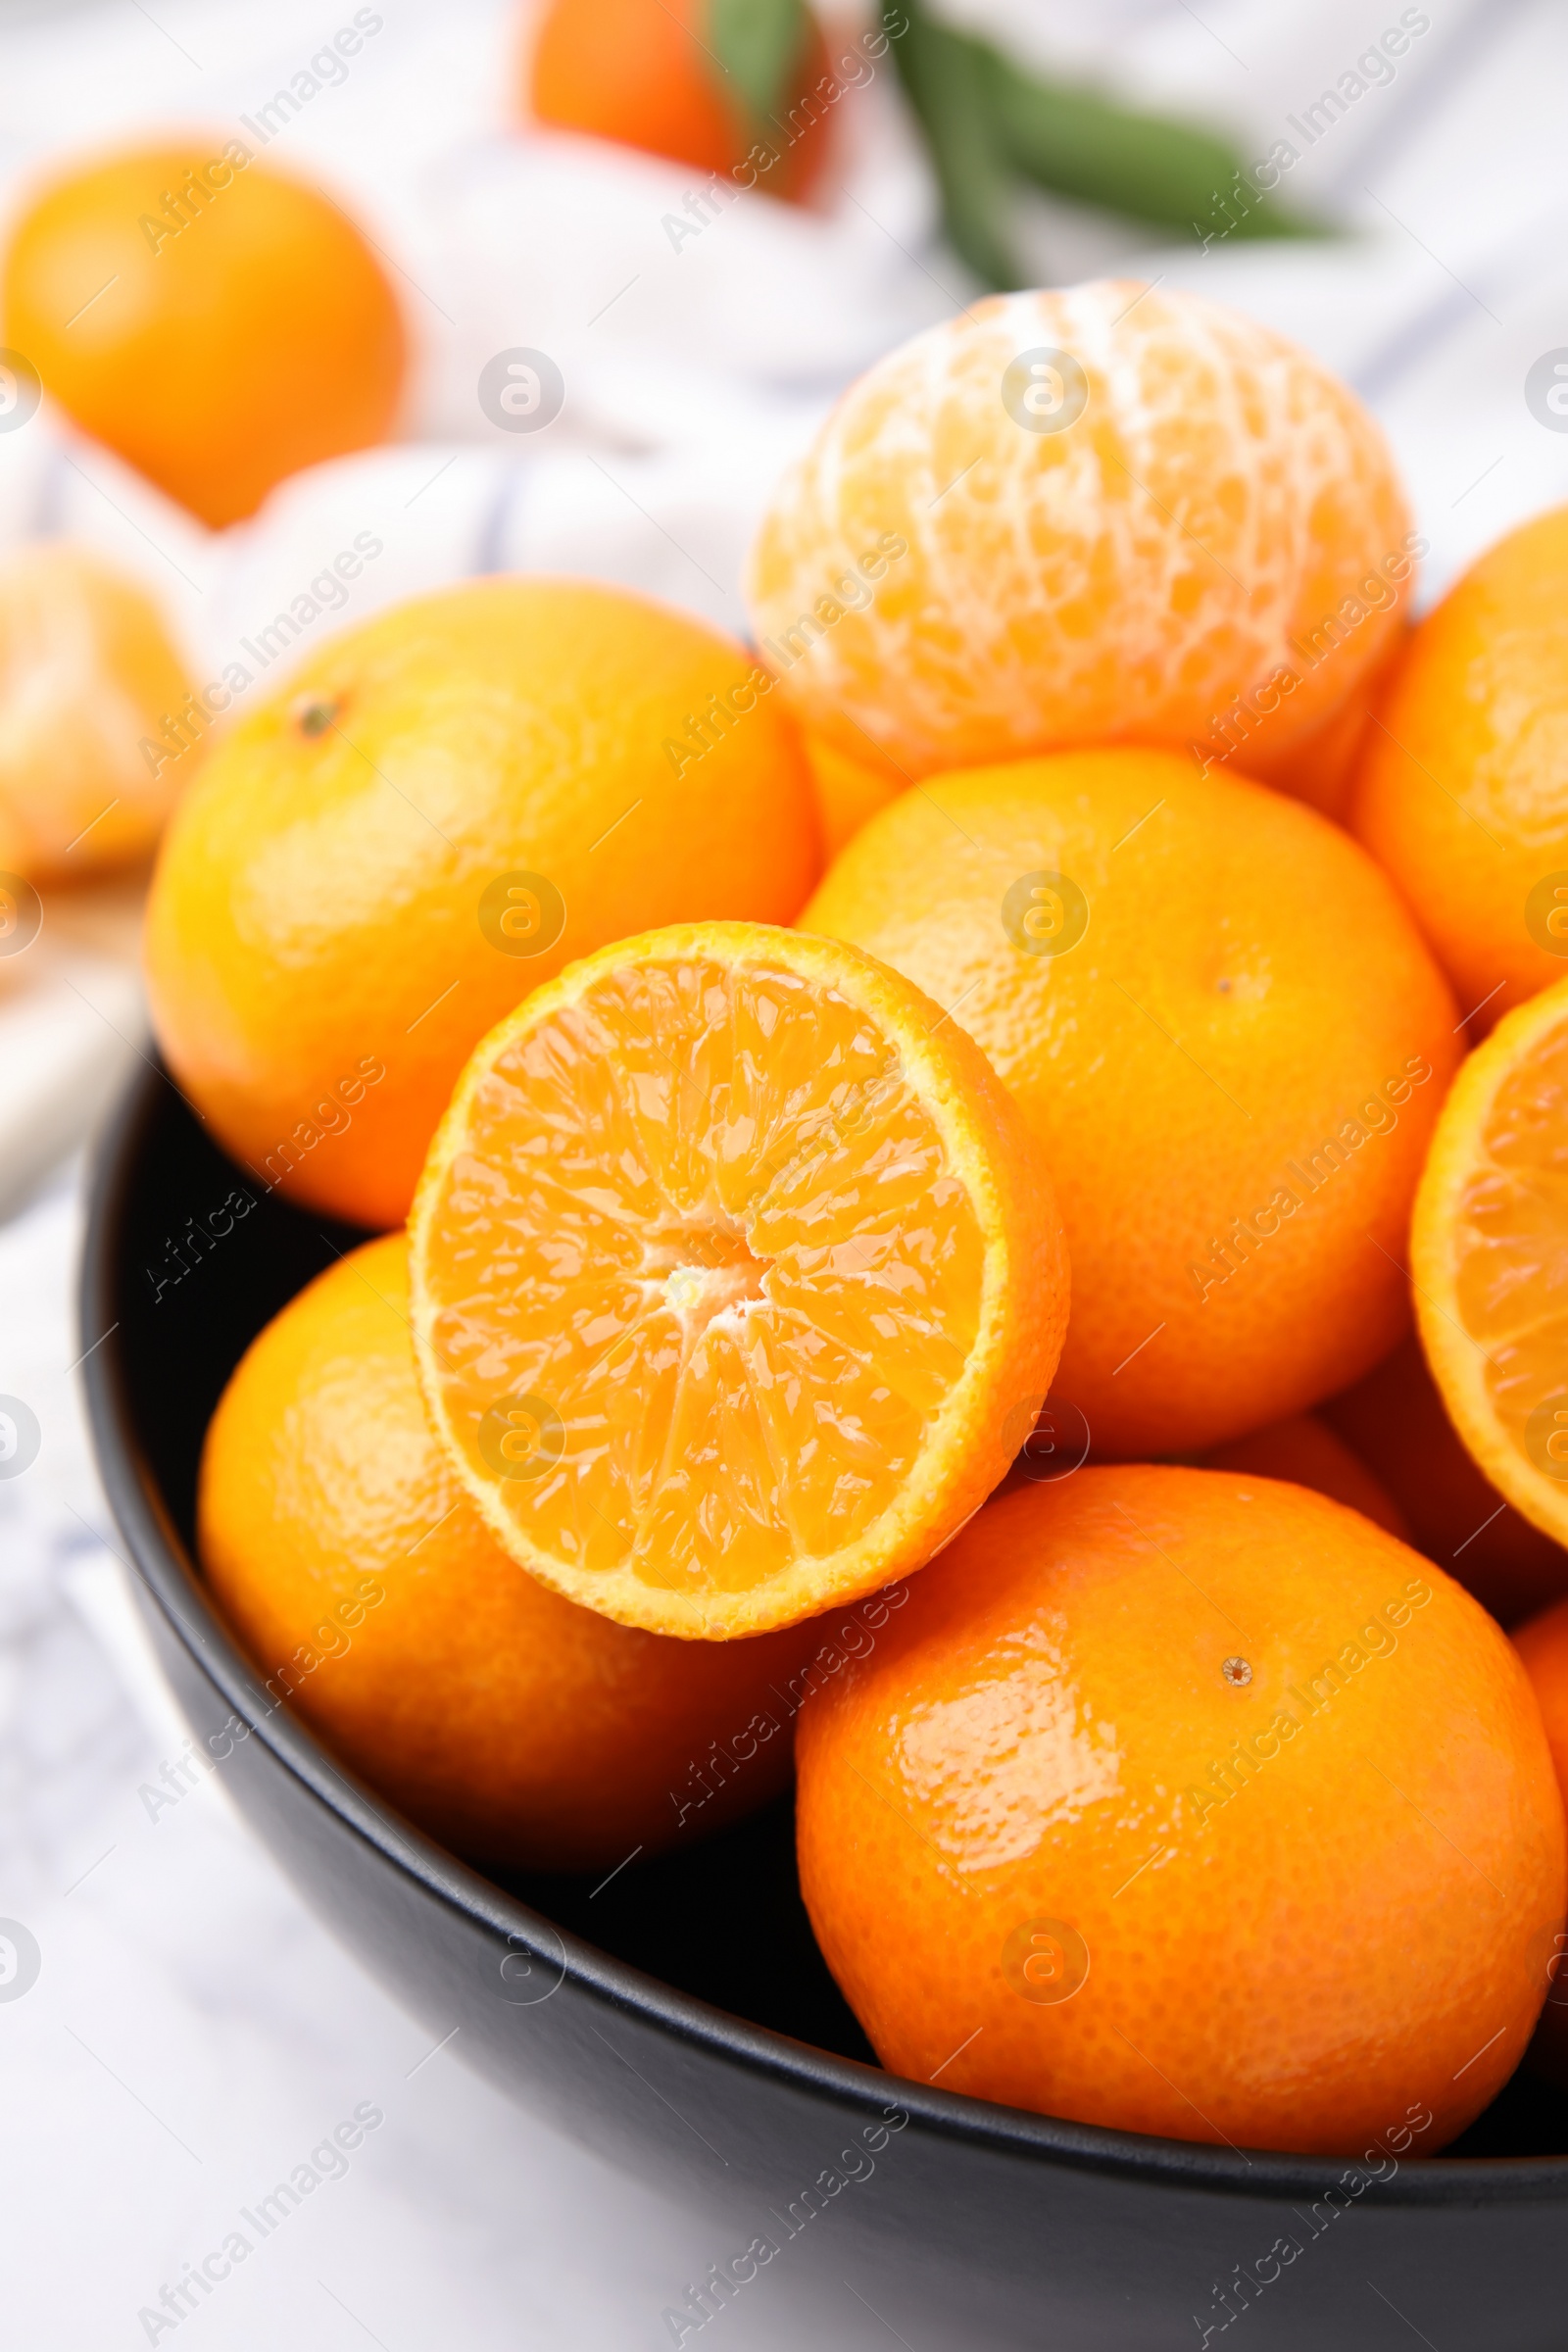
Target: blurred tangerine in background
[689,79]
[215,322]
[87,671]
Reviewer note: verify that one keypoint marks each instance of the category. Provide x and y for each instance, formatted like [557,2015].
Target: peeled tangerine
[1120,514]
[372,1595]
[1191,1804]
[737,1281]
[88,671]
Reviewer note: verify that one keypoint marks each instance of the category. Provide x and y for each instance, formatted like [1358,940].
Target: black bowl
[680,2021]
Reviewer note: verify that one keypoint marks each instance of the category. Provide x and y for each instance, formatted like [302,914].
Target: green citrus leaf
[1147,167]
[943,79]
[759,45]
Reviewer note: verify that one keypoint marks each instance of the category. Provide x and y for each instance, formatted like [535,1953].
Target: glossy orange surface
[371,1596]
[1193,1804]
[1543,1644]
[1227,1034]
[441,808]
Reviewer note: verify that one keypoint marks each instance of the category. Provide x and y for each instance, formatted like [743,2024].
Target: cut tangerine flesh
[1490,1257]
[732,1270]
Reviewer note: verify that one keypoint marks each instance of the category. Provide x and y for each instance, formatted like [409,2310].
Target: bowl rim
[159,1561]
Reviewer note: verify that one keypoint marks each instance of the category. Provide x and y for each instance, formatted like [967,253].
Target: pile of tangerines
[974,1223]
[901,1158]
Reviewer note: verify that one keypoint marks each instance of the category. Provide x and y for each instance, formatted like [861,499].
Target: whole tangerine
[1227,1033]
[647,74]
[441,808]
[1304,1451]
[506,1720]
[849,791]
[1191,1804]
[218,321]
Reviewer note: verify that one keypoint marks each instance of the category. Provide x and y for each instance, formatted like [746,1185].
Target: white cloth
[192,2033]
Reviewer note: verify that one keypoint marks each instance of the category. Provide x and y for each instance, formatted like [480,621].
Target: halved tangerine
[1489,1258]
[734,1272]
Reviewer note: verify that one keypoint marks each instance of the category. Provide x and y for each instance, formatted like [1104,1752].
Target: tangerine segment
[1489,1258]
[734,1269]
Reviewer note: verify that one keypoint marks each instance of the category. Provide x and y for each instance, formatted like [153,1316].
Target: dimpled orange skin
[643,73]
[506,1720]
[1035,1740]
[1223,511]
[1247,986]
[315,909]
[1462,794]
[1543,1644]
[1306,1452]
[217,356]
